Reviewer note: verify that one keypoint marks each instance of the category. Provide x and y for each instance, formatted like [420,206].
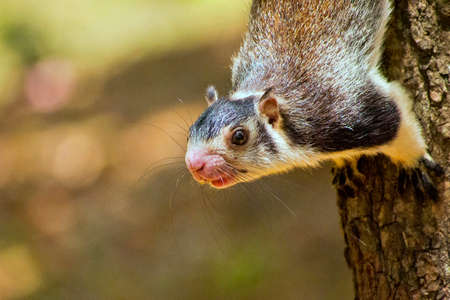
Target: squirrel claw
[431,165]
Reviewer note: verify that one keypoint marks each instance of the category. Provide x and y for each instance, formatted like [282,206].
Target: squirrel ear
[211,95]
[268,107]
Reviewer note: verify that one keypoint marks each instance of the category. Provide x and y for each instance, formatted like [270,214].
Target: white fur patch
[245,94]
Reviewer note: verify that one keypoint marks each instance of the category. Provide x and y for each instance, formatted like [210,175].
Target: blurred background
[95,201]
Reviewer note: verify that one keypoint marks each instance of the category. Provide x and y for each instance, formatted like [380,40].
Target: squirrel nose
[196,165]
[196,160]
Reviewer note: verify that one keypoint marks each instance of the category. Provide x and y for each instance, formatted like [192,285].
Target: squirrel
[305,88]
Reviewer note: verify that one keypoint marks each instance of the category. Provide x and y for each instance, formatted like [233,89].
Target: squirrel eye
[239,137]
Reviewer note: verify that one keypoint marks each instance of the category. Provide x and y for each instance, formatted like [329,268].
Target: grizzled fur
[317,54]
[295,46]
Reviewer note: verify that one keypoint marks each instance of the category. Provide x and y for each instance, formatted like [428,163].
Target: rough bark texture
[396,226]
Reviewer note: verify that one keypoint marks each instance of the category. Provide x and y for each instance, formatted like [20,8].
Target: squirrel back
[290,43]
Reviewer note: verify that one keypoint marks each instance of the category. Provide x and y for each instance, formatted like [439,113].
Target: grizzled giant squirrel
[305,88]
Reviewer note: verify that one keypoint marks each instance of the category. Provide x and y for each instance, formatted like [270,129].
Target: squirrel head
[236,140]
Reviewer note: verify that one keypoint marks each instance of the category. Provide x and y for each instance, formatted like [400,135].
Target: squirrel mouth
[223,182]
[219,182]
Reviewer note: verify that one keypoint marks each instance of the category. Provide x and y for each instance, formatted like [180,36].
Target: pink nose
[196,160]
[204,165]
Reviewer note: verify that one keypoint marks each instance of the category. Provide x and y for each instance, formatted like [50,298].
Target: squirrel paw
[420,180]
[431,165]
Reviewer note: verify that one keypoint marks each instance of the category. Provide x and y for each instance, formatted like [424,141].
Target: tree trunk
[395,224]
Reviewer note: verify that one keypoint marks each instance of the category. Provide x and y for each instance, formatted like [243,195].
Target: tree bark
[395,221]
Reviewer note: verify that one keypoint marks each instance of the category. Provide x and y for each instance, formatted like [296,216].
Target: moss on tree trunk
[396,231]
